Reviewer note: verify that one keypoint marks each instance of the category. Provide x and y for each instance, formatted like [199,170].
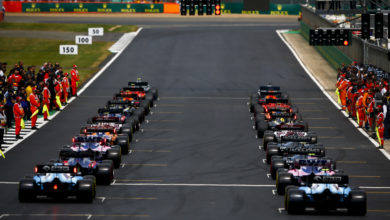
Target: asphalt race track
[200,133]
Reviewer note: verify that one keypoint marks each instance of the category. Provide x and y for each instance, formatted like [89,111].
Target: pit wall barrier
[172,8]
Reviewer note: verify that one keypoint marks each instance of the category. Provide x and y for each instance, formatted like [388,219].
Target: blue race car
[325,193]
[58,181]
[91,163]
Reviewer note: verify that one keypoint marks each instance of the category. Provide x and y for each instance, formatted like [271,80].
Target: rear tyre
[276,163]
[283,179]
[86,191]
[115,154]
[295,201]
[357,203]
[272,149]
[26,190]
[123,142]
[105,173]
[262,126]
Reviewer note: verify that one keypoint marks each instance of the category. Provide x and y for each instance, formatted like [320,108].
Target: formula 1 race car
[291,121]
[103,170]
[265,93]
[96,147]
[58,181]
[129,108]
[135,94]
[274,105]
[325,193]
[293,148]
[302,168]
[124,115]
[114,120]
[144,85]
[280,162]
[109,134]
[284,136]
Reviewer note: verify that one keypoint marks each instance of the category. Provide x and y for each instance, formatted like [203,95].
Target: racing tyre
[268,137]
[139,112]
[137,124]
[123,142]
[262,126]
[313,139]
[86,190]
[258,109]
[283,179]
[154,92]
[115,154]
[357,204]
[295,201]
[253,101]
[146,105]
[26,190]
[272,149]
[105,173]
[149,99]
[127,130]
[276,163]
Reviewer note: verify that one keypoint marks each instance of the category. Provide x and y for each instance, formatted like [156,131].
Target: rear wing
[293,127]
[313,162]
[119,102]
[304,150]
[86,138]
[133,89]
[50,168]
[276,114]
[269,88]
[110,110]
[139,84]
[78,154]
[320,179]
[277,100]
[93,129]
[105,119]
[296,138]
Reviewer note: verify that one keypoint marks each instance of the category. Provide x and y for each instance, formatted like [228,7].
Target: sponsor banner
[92,7]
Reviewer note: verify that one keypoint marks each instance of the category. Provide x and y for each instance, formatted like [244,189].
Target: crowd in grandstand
[363,92]
[27,92]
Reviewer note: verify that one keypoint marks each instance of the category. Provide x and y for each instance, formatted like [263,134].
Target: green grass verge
[66,27]
[37,51]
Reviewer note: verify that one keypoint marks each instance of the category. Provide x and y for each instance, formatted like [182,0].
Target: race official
[45,101]
[380,117]
[3,125]
[18,115]
[34,108]
[74,80]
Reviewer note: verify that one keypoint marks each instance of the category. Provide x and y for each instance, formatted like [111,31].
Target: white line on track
[43,123]
[114,183]
[192,184]
[376,144]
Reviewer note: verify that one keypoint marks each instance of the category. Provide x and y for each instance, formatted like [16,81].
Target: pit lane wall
[336,55]
[173,8]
